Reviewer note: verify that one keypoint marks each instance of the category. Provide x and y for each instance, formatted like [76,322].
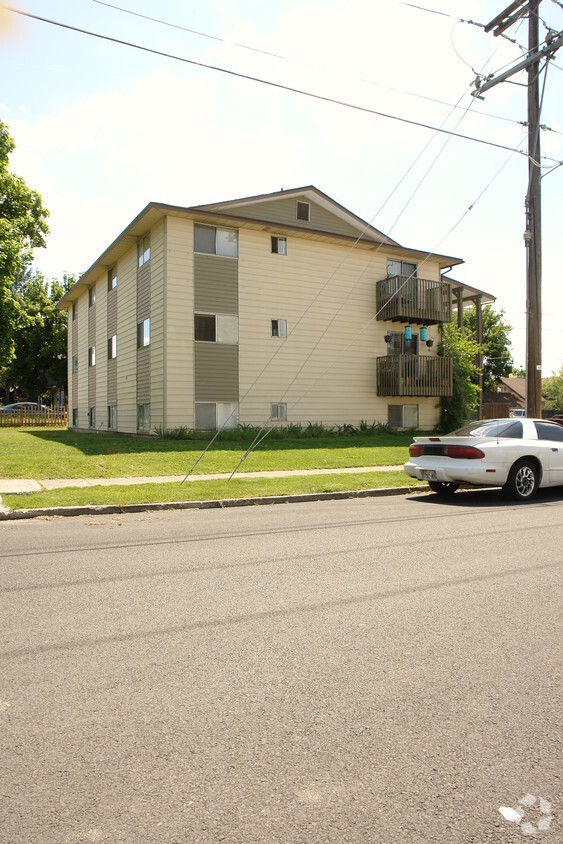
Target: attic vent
[303,211]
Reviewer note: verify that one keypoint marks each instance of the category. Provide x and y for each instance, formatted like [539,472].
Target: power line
[269,83]
[280,56]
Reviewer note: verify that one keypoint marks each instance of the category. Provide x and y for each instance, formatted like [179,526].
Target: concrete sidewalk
[18,486]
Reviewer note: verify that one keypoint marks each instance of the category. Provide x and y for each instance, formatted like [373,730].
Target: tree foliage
[495,348]
[23,227]
[456,409]
[40,342]
[552,391]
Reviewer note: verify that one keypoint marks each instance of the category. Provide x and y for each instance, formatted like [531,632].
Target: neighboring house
[283,308]
[510,396]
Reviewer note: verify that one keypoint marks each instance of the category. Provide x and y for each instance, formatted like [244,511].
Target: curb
[101,509]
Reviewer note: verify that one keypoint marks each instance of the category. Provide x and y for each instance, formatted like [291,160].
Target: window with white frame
[74,309]
[91,297]
[402,415]
[278,245]
[112,347]
[144,250]
[143,417]
[205,416]
[143,333]
[92,417]
[112,278]
[279,328]
[74,364]
[74,416]
[92,356]
[112,417]
[401,268]
[216,328]
[399,345]
[216,241]
[303,211]
[278,411]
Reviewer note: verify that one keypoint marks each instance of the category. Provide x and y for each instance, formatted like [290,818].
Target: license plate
[429,475]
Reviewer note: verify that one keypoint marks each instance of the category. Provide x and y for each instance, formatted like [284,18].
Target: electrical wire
[269,83]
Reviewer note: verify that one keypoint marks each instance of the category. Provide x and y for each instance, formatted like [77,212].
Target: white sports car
[520,455]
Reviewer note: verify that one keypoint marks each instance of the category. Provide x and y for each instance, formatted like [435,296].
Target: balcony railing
[414,375]
[418,300]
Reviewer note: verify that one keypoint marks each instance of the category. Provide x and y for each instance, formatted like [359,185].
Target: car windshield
[494,428]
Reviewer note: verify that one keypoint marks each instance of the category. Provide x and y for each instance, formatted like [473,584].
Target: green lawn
[207,490]
[55,453]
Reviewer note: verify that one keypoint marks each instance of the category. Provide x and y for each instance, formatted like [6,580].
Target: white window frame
[302,204]
[278,244]
[112,278]
[92,417]
[92,356]
[74,364]
[278,411]
[112,347]
[144,333]
[91,297]
[219,230]
[278,328]
[144,250]
[226,328]
[400,265]
[405,421]
[143,417]
[112,417]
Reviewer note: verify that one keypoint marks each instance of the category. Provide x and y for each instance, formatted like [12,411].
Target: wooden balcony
[414,375]
[419,300]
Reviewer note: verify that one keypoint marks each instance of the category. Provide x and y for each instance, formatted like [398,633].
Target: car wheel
[523,480]
[442,488]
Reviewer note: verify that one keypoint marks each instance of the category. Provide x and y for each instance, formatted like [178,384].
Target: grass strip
[206,490]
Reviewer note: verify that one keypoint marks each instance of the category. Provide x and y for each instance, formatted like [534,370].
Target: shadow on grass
[104,443]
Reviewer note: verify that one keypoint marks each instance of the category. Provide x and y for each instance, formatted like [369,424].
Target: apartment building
[280,308]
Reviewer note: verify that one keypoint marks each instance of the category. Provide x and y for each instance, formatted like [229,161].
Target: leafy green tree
[552,391]
[518,372]
[40,341]
[497,359]
[456,409]
[23,227]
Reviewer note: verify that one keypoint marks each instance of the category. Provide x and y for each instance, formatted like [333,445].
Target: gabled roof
[245,206]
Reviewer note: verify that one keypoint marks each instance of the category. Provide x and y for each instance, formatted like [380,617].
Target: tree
[552,391]
[23,227]
[495,348]
[40,340]
[455,410]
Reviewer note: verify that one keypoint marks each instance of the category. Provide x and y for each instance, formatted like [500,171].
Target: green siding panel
[143,376]
[216,372]
[215,284]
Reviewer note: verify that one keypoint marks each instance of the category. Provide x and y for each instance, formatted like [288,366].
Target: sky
[101,128]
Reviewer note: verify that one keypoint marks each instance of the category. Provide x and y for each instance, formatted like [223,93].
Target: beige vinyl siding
[101,398]
[82,325]
[157,306]
[72,350]
[215,284]
[325,370]
[284,211]
[216,372]
[91,342]
[179,330]
[127,342]
[143,312]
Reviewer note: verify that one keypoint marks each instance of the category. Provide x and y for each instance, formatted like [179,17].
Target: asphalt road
[370,670]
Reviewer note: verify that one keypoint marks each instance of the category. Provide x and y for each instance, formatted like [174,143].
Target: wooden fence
[55,416]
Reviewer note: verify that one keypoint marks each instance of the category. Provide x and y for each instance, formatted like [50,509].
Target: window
[205,416]
[112,278]
[399,345]
[112,417]
[144,250]
[73,311]
[303,211]
[74,363]
[215,241]
[92,356]
[204,328]
[549,431]
[279,328]
[218,328]
[112,347]
[91,297]
[74,416]
[278,411]
[143,417]
[400,268]
[402,415]
[279,245]
[143,333]
[92,417]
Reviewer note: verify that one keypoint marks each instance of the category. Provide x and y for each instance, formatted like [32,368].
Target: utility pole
[532,234]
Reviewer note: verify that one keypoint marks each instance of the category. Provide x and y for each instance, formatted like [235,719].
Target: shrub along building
[283,307]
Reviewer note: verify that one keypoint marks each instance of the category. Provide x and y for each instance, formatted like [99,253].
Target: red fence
[17,417]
